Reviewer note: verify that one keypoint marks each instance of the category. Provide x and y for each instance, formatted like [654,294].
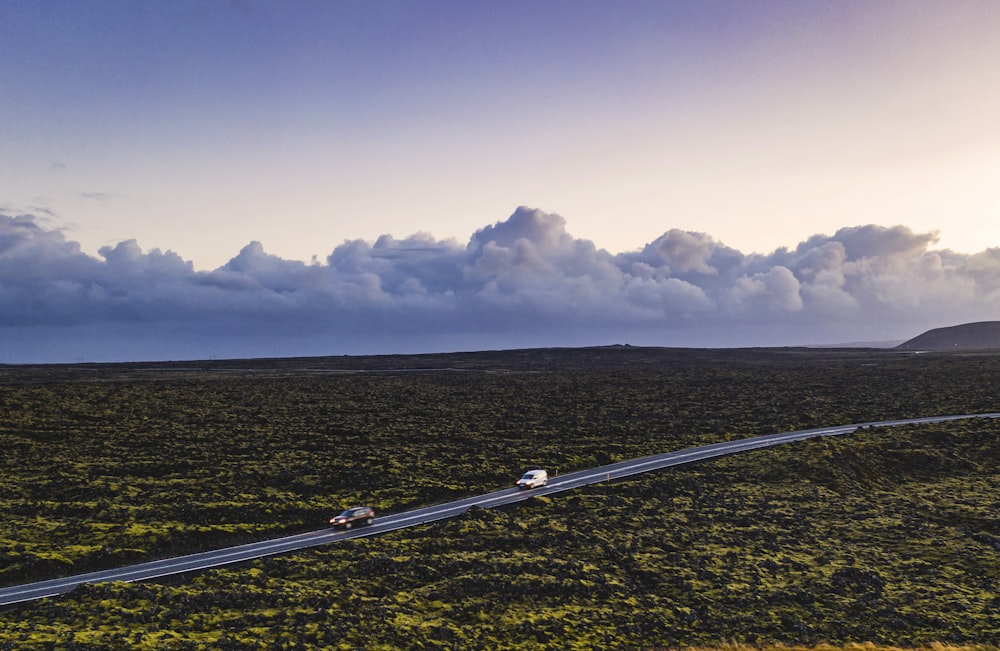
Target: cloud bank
[521,282]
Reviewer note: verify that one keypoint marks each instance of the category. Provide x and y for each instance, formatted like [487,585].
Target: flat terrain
[886,536]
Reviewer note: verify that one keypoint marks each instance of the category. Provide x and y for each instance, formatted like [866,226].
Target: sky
[186,180]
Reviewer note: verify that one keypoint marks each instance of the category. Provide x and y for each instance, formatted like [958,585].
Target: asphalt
[557,484]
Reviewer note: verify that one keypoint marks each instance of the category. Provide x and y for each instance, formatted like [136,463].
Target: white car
[533,479]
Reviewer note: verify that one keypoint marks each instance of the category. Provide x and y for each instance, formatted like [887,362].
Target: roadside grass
[853,646]
[879,540]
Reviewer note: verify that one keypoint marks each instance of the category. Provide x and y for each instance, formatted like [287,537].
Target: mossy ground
[886,537]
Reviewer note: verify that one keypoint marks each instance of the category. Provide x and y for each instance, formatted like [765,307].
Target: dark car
[353,516]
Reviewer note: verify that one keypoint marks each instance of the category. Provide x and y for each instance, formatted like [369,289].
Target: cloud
[684,251]
[523,281]
[773,291]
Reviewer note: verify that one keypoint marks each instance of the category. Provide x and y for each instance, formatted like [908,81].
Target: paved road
[203,560]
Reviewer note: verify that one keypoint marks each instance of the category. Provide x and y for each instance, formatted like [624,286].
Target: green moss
[884,536]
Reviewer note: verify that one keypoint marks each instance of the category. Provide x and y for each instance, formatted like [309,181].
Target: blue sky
[195,137]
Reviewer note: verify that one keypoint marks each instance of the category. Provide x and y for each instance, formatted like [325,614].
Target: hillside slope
[969,336]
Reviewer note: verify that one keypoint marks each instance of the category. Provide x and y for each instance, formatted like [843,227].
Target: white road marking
[297,542]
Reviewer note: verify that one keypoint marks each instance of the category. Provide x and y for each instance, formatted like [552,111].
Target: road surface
[557,484]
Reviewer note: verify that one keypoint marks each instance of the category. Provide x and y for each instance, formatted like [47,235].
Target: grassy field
[886,537]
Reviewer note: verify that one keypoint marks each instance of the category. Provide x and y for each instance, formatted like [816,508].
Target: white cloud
[524,281]
[685,251]
[775,291]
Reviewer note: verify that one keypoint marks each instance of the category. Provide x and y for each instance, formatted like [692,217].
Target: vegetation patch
[881,539]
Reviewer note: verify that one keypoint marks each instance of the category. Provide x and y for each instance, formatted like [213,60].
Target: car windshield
[527,475]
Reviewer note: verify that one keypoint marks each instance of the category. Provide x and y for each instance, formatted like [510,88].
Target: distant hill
[969,336]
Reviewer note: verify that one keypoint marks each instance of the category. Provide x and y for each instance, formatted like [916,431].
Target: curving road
[203,560]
